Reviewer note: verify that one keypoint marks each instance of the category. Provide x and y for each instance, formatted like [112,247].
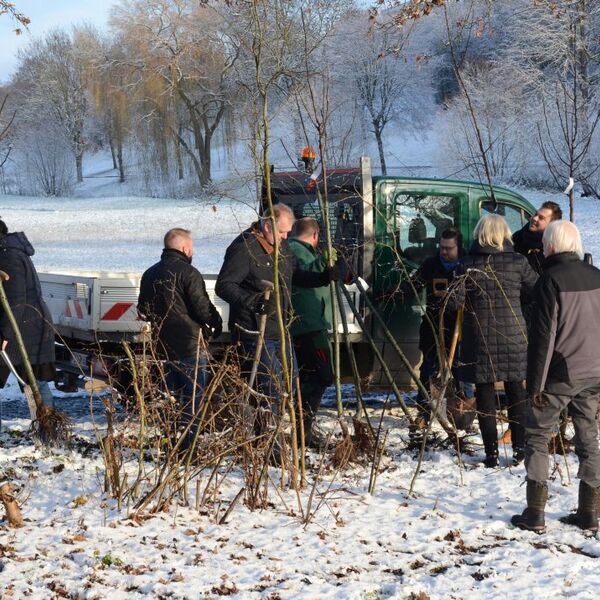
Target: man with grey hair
[563,369]
[248,266]
[173,298]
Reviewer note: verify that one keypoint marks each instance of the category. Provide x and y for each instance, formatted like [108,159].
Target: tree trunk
[120,160]
[79,166]
[379,137]
[178,157]
[113,155]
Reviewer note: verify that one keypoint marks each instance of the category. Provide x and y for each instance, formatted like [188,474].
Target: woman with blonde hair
[491,283]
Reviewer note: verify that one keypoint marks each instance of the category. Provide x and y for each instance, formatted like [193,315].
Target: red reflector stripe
[116,311]
[78,309]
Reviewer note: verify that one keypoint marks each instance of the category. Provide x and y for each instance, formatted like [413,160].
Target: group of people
[173,297]
[529,307]
[529,304]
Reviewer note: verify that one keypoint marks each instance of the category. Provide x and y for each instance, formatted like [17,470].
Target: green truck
[385,227]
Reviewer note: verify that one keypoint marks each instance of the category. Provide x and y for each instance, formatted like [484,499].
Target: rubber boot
[532,518]
[586,516]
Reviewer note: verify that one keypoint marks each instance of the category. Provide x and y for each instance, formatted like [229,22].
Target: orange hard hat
[308,152]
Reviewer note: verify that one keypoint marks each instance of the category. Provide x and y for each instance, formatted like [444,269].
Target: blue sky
[45,15]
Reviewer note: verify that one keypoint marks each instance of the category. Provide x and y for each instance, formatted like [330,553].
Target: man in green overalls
[310,327]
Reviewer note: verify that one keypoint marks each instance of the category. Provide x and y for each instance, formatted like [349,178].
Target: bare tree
[6,121]
[54,81]
[9,8]
[181,62]
[558,47]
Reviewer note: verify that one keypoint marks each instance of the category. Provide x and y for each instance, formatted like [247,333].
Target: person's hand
[4,344]
[265,306]
[333,272]
[538,400]
[216,330]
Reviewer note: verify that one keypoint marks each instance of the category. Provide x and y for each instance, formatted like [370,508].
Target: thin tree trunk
[379,138]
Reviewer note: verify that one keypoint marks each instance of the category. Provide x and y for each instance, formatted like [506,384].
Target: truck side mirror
[587,259]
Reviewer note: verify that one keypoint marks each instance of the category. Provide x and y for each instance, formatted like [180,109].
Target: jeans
[270,381]
[179,379]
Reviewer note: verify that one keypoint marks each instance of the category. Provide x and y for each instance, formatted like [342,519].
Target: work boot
[518,455]
[586,516]
[532,518]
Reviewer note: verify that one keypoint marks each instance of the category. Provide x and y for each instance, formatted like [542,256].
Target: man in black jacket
[248,264]
[528,240]
[173,299]
[435,275]
[563,369]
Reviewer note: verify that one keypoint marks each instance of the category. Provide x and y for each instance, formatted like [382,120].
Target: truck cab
[385,227]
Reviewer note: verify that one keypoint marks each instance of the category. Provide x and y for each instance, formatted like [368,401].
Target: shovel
[262,325]
[50,425]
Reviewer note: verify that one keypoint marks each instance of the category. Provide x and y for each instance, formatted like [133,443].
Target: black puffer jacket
[25,298]
[529,244]
[173,298]
[249,261]
[494,339]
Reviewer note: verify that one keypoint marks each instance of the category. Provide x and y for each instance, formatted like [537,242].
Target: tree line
[510,88]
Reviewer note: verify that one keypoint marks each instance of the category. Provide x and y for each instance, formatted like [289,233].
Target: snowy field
[450,539]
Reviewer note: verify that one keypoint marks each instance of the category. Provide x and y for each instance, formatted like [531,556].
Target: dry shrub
[358,448]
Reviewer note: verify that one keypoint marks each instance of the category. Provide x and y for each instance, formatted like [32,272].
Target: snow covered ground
[451,539]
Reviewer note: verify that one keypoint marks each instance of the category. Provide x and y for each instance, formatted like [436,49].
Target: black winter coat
[530,245]
[432,270]
[173,298]
[249,261]
[25,298]
[494,338]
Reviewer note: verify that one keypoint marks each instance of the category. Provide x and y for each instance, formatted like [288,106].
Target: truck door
[515,215]
[409,224]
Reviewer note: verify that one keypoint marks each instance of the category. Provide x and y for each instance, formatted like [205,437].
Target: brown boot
[532,518]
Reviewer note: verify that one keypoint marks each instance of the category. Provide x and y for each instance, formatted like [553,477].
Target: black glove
[264,306]
[333,273]
[216,330]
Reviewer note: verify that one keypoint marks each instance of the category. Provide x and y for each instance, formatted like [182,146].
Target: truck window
[419,221]
[515,216]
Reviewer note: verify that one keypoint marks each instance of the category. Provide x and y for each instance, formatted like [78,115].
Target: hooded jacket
[173,298]
[24,295]
[565,328]
[494,338]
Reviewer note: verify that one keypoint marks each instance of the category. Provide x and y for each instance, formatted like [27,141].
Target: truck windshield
[419,221]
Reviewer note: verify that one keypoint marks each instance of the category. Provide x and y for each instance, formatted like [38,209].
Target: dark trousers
[270,380]
[487,404]
[313,352]
[186,379]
